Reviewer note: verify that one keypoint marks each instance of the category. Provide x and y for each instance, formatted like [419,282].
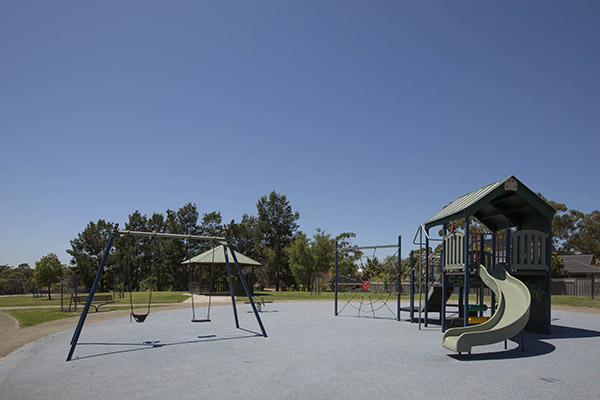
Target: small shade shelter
[218,253]
[216,257]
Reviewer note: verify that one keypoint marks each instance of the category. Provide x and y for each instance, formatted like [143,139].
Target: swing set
[141,317]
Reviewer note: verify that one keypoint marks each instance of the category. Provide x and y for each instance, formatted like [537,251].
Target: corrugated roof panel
[465,201]
[219,257]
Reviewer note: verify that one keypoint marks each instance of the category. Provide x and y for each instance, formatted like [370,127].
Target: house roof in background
[583,258]
[579,265]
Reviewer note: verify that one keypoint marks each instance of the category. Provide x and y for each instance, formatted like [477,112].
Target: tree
[16,280]
[323,251]
[48,270]
[88,249]
[302,262]
[310,256]
[244,237]
[585,238]
[556,265]
[277,227]
[574,232]
[346,261]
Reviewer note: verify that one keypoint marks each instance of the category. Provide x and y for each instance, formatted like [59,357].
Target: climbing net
[374,284]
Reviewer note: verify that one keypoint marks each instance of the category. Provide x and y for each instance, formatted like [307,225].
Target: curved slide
[510,317]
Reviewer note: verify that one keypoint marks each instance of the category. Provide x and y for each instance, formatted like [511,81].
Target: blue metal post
[232,289]
[412,286]
[466,274]
[335,281]
[88,302]
[482,259]
[549,277]
[508,243]
[443,273]
[246,289]
[399,282]
[494,255]
[426,275]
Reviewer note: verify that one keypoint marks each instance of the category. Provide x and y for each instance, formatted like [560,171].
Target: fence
[576,286]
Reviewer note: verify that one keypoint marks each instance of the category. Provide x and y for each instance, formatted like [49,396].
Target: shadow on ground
[535,344]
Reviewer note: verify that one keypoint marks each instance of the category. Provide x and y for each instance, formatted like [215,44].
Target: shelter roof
[219,257]
[499,205]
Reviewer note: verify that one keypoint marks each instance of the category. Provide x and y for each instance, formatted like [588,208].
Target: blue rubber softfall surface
[309,354]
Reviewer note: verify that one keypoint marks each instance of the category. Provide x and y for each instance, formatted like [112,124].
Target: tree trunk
[49,287]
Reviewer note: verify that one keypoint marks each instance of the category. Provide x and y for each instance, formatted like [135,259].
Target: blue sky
[368,116]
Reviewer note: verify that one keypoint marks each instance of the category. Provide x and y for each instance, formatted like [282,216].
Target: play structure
[372,287]
[141,317]
[512,259]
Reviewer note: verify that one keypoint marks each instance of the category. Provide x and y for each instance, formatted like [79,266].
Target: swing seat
[139,318]
[201,320]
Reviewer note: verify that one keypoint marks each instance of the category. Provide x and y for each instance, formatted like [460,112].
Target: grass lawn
[34,316]
[138,298]
[576,301]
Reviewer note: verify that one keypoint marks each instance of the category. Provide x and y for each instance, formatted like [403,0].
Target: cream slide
[510,317]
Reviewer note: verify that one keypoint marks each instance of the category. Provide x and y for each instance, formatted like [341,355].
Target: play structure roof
[499,205]
[219,257]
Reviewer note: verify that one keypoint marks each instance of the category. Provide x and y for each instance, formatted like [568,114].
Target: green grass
[289,295]
[35,316]
[138,298]
[576,301]
[32,316]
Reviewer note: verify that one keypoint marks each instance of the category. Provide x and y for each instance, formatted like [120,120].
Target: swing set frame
[222,240]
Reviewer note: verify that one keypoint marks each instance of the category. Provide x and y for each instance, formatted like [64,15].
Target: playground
[509,343]
[309,353]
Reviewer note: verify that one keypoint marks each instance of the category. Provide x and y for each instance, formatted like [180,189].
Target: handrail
[422,229]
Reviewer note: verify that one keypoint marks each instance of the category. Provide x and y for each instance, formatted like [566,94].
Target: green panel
[538,313]
[458,281]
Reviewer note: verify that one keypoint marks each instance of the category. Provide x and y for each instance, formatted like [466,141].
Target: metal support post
[399,280]
[466,274]
[443,274]
[412,286]
[88,302]
[426,277]
[549,277]
[335,282]
[232,288]
[494,255]
[243,279]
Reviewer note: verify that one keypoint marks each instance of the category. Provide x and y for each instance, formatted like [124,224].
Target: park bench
[103,299]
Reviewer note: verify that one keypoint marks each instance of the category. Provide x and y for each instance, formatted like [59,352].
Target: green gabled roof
[499,205]
[217,256]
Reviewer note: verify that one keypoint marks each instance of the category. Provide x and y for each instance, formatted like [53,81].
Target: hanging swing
[210,288]
[139,318]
